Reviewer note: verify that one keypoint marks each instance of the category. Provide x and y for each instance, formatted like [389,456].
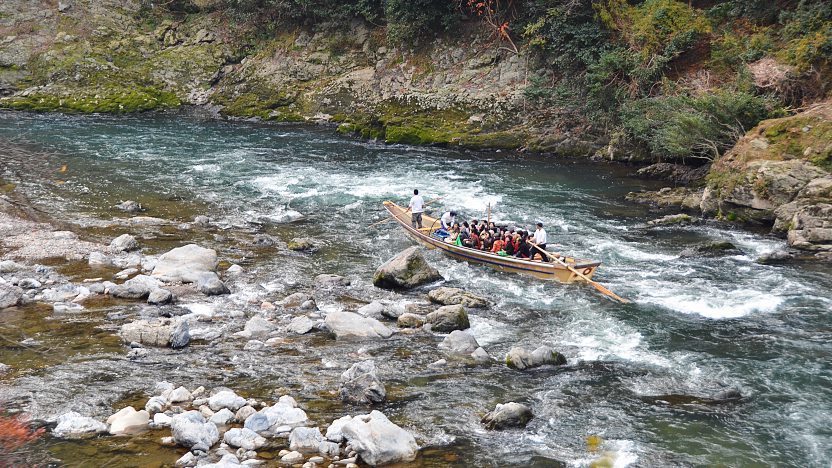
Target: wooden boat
[536,268]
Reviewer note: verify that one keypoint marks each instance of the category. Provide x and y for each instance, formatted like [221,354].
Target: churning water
[641,376]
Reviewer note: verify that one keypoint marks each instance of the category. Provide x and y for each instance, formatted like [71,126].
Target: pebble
[317,460]
[292,457]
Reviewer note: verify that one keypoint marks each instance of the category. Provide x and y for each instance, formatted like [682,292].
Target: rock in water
[507,415]
[127,419]
[448,318]
[518,358]
[72,424]
[9,295]
[347,325]
[210,285]
[408,320]
[280,414]
[406,270]
[190,428]
[301,244]
[360,384]
[305,439]
[456,296]
[185,264]
[300,325]
[714,249]
[459,342]
[378,441]
[226,399]
[159,297]
[163,332]
[244,438]
[124,243]
[129,206]
[333,432]
[138,287]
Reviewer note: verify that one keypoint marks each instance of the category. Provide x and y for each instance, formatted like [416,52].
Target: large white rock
[244,438]
[459,342]
[272,417]
[258,327]
[72,424]
[333,432]
[406,270]
[185,264]
[190,428]
[127,420]
[360,384]
[162,332]
[347,325]
[124,243]
[222,417]
[300,325]
[226,399]
[378,441]
[9,295]
[305,439]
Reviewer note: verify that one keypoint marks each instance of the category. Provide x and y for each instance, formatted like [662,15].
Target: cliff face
[107,56]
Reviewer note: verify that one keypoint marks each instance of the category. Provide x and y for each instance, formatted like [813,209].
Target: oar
[392,218]
[595,285]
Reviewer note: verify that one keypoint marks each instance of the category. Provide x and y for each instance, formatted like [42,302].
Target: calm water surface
[639,374]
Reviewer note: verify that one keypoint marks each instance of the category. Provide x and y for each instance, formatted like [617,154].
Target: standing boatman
[416,207]
[540,240]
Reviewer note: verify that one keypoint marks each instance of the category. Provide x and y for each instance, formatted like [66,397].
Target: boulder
[162,420]
[305,439]
[295,300]
[210,284]
[448,318]
[72,424]
[124,243]
[222,417]
[138,287]
[406,270]
[244,438]
[507,415]
[9,295]
[258,327]
[456,296]
[159,296]
[29,283]
[292,458]
[327,280]
[159,332]
[179,395]
[185,264]
[190,428]
[300,325]
[272,417]
[713,249]
[459,342]
[378,441]
[226,399]
[520,359]
[130,206]
[99,259]
[680,219]
[302,244]
[9,266]
[410,320]
[361,385]
[347,325]
[374,310]
[156,404]
[127,420]
[333,432]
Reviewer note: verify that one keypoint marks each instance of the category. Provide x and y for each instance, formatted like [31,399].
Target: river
[640,376]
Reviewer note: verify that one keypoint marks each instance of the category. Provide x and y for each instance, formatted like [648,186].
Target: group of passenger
[484,235]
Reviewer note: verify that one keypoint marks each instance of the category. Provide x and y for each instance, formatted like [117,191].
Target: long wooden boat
[543,270]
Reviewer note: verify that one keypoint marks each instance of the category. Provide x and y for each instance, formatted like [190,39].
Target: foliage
[15,435]
[807,33]
[410,19]
[496,15]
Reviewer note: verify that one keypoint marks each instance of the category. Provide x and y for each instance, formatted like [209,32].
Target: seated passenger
[448,219]
[498,244]
[524,249]
[486,242]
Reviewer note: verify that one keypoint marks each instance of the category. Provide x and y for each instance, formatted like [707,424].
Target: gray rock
[129,206]
[179,395]
[222,417]
[680,219]
[378,441]
[128,420]
[329,449]
[302,244]
[226,399]
[159,296]
[410,321]
[244,438]
[713,249]
[29,283]
[210,285]
[258,327]
[243,413]
[67,308]
[406,270]
[292,458]
[300,325]
[124,243]
[456,296]
[295,300]
[272,417]
[156,404]
[202,220]
[9,295]
[329,281]
[773,258]
[374,310]
[459,342]
[190,428]
[305,439]
[138,287]
[234,270]
[161,332]
[185,264]
[361,385]
[520,359]
[99,259]
[507,415]
[347,325]
[448,318]
[162,420]
[187,460]
[72,424]
[9,266]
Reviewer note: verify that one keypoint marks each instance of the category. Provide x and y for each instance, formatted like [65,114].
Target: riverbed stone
[127,420]
[408,320]
[360,384]
[222,417]
[459,342]
[243,413]
[138,287]
[333,432]
[305,439]
[378,441]
[711,249]
[162,420]
[292,458]
[124,243]
[9,295]
[519,358]
[448,318]
[99,259]
[374,310]
[9,266]
[157,332]
[179,395]
[295,300]
[129,206]
[226,399]
[406,270]
[328,280]
[190,429]
[508,415]
[258,327]
[300,325]
[159,296]
[244,438]
[348,325]
[455,296]
[210,284]
[275,416]
[302,244]
[72,424]
[185,264]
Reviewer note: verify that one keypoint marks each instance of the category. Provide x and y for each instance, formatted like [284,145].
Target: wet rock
[378,441]
[347,325]
[226,399]
[138,287]
[406,270]
[295,300]
[127,420]
[300,325]
[459,342]
[713,249]
[234,270]
[161,332]
[210,285]
[62,293]
[72,424]
[292,458]
[185,264]
[302,244]
[456,296]
[190,429]
[124,243]
[329,280]
[179,395]
[202,220]
[9,295]
[305,439]
[244,438]
[222,417]
[680,219]
[361,385]
[773,258]
[374,310]
[243,413]
[333,432]
[520,359]
[448,318]
[676,173]
[272,417]
[67,308]
[9,266]
[258,327]
[508,415]
[29,283]
[99,259]
[156,404]
[330,450]
[410,321]
[187,460]
[129,206]
[159,296]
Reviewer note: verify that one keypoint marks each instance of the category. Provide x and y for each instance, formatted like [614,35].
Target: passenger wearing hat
[540,240]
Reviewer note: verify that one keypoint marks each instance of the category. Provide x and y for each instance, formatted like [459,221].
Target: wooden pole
[489,212]
[595,285]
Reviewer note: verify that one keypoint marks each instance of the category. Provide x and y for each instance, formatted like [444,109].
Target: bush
[410,19]
[807,32]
